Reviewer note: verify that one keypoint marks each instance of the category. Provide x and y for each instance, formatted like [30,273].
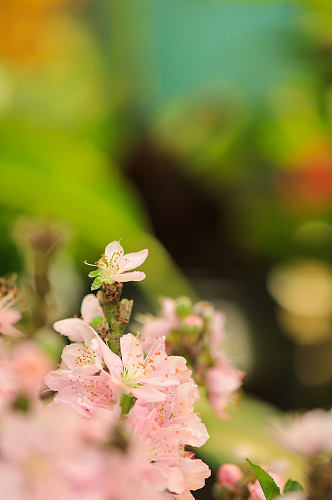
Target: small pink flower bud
[193,321]
[229,475]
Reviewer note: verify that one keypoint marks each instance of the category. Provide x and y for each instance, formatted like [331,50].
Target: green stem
[117,313]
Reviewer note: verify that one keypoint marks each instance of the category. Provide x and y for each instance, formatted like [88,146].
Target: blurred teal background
[198,129]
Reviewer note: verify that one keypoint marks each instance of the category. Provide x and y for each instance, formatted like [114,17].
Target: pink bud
[229,475]
[193,321]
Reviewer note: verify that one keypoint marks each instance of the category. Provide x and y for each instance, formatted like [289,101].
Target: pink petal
[148,393]
[134,276]
[131,351]
[112,360]
[132,260]
[90,308]
[7,318]
[73,328]
[194,473]
[157,352]
[113,248]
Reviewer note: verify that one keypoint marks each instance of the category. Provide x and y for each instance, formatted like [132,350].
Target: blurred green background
[198,129]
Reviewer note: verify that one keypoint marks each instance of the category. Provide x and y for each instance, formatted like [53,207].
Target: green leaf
[126,403]
[93,274]
[268,485]
[97,282]
[97,321]
[292,486]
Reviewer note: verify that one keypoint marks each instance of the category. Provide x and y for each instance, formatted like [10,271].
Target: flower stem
[117,313]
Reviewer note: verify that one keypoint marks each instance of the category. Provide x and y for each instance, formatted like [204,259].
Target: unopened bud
[229,475]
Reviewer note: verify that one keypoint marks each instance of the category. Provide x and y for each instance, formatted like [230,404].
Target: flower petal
[112,360]
[113,248]
[134,276]
[73,328]
[131,351]
[132,260]
[148,393]
[90,308]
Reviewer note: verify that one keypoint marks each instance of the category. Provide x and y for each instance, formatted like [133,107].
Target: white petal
[113,248]
[73,328]
[134,276]
[90,308]
[132,260]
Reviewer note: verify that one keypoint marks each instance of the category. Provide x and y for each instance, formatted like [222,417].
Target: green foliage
[97,282]
[126,403]
[269,487]
[292,486]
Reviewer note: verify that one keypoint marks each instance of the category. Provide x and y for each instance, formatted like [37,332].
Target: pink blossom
[222,380]
[114,266]
[30,365]
[160,326]
[177,411]
[81,382]
[164,447]
[86,395]
[308,434]
[146,377]
[229,475]
[46,454]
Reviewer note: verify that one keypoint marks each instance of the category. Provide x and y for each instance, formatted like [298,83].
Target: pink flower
[160,326]
[114,266]
[177,411]
[81,381]
[30,365]
[255,489]
[229,475]
[165,449]
[222,381]
[146,377]
[308,434]
[51,453]
[86,395]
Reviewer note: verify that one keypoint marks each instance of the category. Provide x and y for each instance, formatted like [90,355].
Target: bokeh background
[201,130]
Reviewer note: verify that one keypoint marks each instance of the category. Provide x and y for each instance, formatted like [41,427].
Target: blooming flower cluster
[92,378]
[116,419]
[139,388]
[197,332]
[118,416]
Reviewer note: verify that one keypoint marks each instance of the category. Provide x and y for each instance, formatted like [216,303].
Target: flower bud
[229,475]
[192,323]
